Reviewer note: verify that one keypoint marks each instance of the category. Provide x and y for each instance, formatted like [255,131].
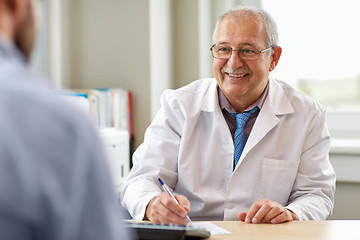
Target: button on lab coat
[189,146]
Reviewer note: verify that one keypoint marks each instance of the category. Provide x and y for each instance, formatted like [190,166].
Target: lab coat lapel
[276,105]
[210,102]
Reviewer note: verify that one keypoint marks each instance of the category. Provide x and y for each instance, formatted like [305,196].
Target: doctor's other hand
[163,209]
[265,210]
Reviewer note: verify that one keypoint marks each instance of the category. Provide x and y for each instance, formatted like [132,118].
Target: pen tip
[160,181]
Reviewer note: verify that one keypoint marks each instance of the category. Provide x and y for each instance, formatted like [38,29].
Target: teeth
[236,75]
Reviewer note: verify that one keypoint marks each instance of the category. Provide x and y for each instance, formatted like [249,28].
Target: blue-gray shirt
[54,181]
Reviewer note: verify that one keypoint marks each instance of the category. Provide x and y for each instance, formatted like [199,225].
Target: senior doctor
[283,172]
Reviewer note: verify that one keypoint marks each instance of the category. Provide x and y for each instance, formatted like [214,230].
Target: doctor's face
[242,81]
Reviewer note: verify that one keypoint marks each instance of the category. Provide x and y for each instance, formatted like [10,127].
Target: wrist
[148,206]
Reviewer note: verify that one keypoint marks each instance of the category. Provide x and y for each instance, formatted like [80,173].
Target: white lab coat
[189,146]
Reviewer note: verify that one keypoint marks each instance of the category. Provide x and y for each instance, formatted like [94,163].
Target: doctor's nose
[235,61]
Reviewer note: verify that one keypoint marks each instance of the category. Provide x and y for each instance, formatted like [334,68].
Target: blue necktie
[239,136]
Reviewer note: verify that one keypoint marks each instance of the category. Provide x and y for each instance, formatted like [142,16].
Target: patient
[54,182]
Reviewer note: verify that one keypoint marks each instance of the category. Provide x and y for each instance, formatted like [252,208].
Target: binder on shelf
[109,107]
[81,100]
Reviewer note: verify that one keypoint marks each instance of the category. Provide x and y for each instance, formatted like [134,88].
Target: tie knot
[242,118]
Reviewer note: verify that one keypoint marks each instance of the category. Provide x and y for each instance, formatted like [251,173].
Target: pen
[166,189]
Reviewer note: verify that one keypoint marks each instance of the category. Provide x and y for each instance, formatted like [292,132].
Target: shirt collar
[225,104]
[9,49]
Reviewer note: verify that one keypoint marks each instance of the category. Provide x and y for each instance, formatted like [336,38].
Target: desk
[296,230]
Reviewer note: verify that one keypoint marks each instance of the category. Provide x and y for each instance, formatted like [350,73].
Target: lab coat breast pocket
[277,179]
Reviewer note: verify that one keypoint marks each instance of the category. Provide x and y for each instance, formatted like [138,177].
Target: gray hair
[269,23]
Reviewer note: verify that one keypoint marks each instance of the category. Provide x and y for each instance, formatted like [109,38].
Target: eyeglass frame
[232,50]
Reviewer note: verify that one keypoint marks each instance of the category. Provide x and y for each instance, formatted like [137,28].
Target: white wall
[109,47]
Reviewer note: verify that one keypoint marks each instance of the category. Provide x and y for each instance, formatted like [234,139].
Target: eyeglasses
[247,53]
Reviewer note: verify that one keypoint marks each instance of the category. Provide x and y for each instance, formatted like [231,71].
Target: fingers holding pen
[184,202]
[180,209]
[163,209]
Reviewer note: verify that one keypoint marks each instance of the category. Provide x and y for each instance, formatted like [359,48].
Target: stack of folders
[109,107]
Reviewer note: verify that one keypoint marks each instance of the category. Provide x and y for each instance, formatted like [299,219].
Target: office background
[148,45]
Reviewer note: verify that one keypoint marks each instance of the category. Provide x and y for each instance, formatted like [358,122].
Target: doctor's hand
[163,209]
[265,210]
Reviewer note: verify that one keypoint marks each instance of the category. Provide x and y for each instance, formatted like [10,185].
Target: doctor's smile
[235,75]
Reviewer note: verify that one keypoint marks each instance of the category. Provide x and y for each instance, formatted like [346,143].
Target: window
[321,49]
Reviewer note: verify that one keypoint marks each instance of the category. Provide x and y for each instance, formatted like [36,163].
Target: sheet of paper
[212,228]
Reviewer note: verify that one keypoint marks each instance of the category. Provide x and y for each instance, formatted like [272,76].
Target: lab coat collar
[276,101]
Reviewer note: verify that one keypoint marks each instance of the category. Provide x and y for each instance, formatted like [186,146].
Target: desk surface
[296,230]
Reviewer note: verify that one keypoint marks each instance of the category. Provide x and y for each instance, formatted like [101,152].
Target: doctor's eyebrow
[239,45]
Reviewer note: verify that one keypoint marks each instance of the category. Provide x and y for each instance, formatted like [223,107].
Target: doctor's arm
[156,157]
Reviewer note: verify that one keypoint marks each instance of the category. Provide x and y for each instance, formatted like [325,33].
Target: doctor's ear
[275,57]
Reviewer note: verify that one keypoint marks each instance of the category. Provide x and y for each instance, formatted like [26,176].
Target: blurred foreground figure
[54,182]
